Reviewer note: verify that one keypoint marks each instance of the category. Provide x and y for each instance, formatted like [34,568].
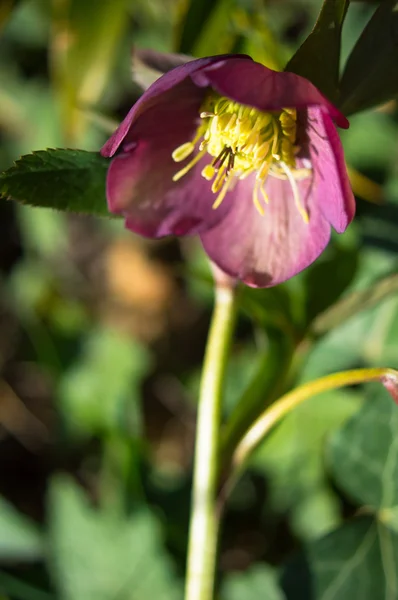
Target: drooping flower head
[246,157]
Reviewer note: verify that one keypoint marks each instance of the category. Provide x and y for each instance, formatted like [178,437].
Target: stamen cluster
[243,140]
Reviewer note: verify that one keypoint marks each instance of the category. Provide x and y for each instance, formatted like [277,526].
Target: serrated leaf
[318,58]
[100,555]
[370,76]
[69,180]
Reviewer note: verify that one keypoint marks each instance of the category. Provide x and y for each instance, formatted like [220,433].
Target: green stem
[203,534]
[279,409]
[262,390]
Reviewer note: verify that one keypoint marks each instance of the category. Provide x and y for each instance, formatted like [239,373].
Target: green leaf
[360,559]
[102,387]
[71,180]
[355,303]
[259,389]
[370,76]
[257,583]
[196,19]
[16,588]
[20,539]
[292,458]
[328,278]
[98,555]
[318,58]
[364,453]
[82,67]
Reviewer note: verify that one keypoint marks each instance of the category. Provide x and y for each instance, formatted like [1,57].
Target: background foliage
[102,333]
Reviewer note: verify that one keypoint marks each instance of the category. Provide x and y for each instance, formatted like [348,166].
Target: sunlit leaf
[206,27]
[71,180]
[85,37]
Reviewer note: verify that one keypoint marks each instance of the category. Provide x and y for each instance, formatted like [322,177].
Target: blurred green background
[102,333]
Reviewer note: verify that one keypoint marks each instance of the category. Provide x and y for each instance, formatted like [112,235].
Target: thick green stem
[203,534]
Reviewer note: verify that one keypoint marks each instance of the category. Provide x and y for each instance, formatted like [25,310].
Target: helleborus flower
[246,157]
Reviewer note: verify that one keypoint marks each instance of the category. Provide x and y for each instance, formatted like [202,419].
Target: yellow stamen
[264,193]
[189,166]
[221,195]
[242,141]
[183,151]
[217,183]
[256,200]
[208,172]
[296,193]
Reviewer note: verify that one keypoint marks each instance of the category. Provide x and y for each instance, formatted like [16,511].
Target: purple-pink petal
[265,250]
[331,183]
[140,187]
[152,97]
[255,85]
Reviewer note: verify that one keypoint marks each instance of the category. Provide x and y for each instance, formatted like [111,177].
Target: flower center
[242,140]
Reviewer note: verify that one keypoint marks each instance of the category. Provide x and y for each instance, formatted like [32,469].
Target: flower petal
[140,187]
[175,80]
[265,250]
[331,182]
[253,84]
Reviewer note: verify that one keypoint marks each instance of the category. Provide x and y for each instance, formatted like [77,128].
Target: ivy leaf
[69,180]
[359,560]
[318,58]
[364,454]
[370,76]
[99,554]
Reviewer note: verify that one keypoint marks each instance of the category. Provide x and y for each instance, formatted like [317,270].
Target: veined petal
[255,85]
[266,250]
[140,187]
[177,81]
[331,184]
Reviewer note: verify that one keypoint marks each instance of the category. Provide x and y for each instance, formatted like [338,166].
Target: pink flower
[246,157]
